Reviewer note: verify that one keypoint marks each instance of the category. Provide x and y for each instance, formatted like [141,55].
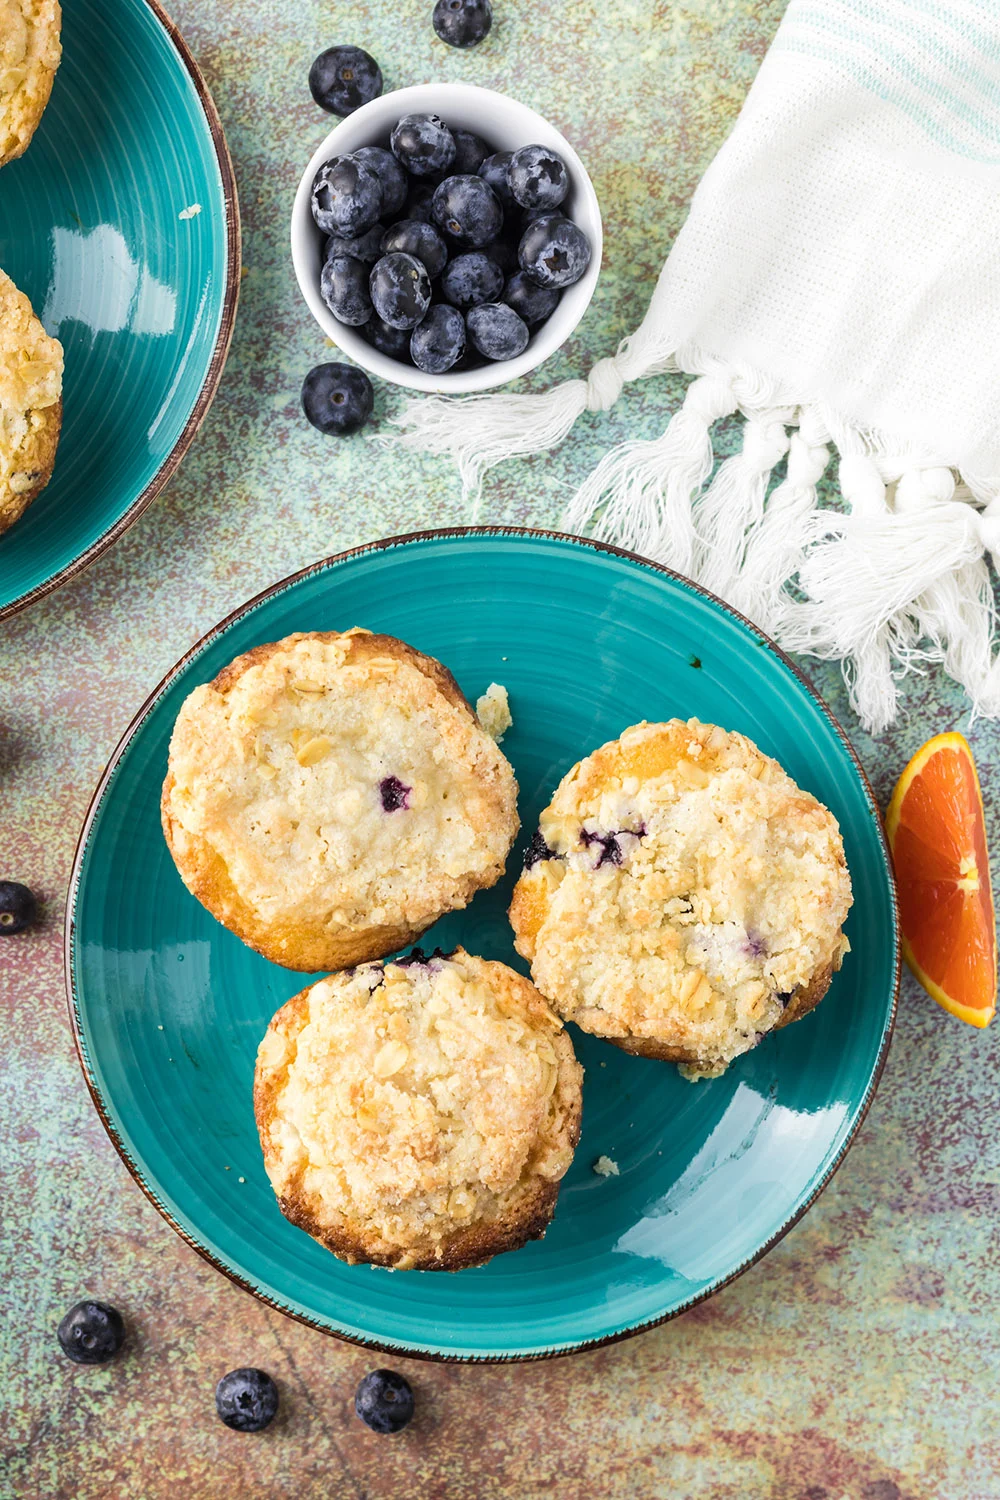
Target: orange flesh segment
[937,832]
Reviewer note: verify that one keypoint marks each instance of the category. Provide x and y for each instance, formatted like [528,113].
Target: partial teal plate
[169,1007]
[143,300]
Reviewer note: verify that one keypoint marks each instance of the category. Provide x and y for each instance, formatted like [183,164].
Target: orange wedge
[937,834]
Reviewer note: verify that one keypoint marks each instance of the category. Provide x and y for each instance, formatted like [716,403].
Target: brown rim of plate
[210,385]
[400,1350]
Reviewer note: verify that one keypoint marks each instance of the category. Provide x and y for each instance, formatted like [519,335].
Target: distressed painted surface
[860,1358]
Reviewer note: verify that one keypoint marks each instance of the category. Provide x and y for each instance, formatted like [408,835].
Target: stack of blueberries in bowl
[442,250]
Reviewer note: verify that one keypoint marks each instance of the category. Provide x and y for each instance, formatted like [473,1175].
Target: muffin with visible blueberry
[31,372]
[30,53]
[331,795]
[418,1114]
[682,896]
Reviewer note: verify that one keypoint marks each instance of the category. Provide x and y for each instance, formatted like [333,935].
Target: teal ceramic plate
[169,1007]
[142,299]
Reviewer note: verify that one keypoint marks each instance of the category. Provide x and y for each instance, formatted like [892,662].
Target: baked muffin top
[29,56]
[330,795]
[31,369]
[418,1113]
[681,888]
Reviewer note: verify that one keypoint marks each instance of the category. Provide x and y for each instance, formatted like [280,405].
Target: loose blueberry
[538,850]
[554,251]
[419,204]
[438,341]
[343,78]
[365,247]
[401,290]
[337,398]
[463,23]
[346,197]
[344,288]
[496,330]
[394,793]
[530,301]
[384,1401]
[538,179]
[393,342]
[18,907]
[469,210]
[424,144]
[470,152]
[91,1333]
[390,174]
[413,237]
[494,171]
[247,1399]
[470,279]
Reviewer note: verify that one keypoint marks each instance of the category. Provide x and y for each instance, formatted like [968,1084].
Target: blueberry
[538,850]
[463,23]
[384,1401]
[91,1333]
[530,301]
[393,342]
[337,398]
[401,289]
[438,341]
[470,152]
[420,200]
[343,78]
[394,793]
[470,279]
[424,144]
[469,210]
[18,907]
[344,288]
[346,197]
[247,1399]
[538,179]
[554,251]
[413,237]
[389,173]
[494,171]
[504,253]
[496,330]
[366,247]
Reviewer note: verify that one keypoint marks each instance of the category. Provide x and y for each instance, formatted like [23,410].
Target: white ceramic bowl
[506,125]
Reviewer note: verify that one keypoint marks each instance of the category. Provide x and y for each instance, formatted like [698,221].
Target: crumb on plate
[493,711]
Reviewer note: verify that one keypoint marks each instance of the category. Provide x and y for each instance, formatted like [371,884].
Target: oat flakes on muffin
[29,56]
[330,795]
[31,370]
[682,896]
[418,1114]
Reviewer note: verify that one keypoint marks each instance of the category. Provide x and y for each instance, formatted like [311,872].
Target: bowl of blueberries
[447,238]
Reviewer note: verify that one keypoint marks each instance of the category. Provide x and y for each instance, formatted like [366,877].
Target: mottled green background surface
[860,1358]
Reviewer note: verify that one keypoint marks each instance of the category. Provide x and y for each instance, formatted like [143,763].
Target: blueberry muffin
[418,1114]
[682,896]
[331,795]
[31,370]
[29,56]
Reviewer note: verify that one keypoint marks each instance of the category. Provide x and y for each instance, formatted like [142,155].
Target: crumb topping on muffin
[331,786]
[31,370]
[681,889]
[402,1105]
[29,56]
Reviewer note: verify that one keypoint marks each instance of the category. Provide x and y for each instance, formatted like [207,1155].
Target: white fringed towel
[837,282]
